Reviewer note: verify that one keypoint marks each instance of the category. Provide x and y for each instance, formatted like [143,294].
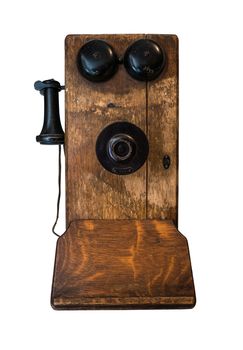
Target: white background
[211,174]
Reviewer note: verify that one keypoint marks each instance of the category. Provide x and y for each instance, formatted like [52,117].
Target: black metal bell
[52,132]
[144,60]
[97,61]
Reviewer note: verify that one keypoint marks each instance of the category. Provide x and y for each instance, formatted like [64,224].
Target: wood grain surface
[122,264]
[163,135]
[91,191]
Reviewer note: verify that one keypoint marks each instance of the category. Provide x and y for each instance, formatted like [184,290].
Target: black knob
[52,132]
[144,60]
[97,61]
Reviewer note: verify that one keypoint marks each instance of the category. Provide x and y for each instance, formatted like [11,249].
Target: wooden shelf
[122,264]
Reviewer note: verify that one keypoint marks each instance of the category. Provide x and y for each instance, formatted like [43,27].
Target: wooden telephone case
[122,248]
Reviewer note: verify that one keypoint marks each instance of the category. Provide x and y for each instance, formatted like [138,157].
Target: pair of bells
[144,60]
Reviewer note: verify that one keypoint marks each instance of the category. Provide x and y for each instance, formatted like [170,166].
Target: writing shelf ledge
[122,264]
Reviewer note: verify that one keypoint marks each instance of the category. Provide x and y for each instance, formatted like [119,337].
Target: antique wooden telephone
[121,248]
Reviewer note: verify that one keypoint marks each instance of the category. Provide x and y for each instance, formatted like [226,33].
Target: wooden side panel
[91,191]
[126,263]
[162,130]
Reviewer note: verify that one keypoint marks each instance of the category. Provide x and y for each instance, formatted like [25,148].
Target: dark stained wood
[162,132]
[122,264]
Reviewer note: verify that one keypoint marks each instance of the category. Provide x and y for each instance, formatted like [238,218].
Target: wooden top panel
[91,191]
[122,263]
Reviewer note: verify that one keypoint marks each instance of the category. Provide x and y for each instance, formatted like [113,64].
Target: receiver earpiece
[52,132]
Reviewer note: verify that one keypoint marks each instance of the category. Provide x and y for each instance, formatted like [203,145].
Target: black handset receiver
[52,132]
